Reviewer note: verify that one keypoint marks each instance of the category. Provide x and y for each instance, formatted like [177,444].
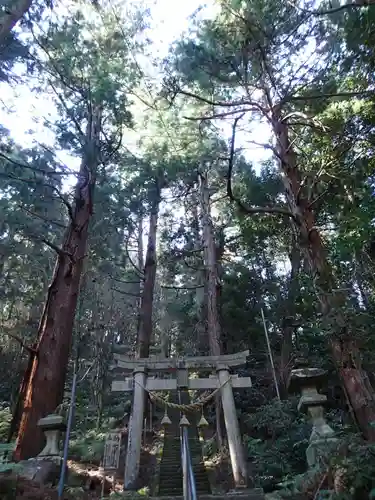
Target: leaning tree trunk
[211,289]
[147,298]
[343,345]
[45,386]
[11,16]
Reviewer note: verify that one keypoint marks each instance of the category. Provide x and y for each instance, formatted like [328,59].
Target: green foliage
[88,447]
[5,418]
[278,440]
[253,53]
[7,449]
[355,458]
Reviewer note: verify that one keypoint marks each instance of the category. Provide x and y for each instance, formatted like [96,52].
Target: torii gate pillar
[223,380]
[236,451]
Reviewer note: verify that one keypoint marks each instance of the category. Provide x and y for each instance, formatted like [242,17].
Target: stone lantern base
[322,439]
[52,426]
[46,467]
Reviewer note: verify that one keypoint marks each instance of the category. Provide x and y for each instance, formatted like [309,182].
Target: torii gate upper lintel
[222,379]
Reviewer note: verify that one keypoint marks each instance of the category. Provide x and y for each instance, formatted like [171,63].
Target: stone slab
[158,384]
[41,471]
[309,401]
[51,422]
[171,364]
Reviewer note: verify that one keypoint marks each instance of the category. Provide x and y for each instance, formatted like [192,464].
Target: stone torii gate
[140,381]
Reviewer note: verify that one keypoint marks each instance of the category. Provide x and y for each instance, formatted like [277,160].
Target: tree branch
[69,113]
[327,96]
[218,115]
[54,247]
[242,206]
[31,350]
[125,282]
[35,169]
[350,5]
[41,217]
[140,273]
[197,269]
[126,293]
[226,104]
[172,287]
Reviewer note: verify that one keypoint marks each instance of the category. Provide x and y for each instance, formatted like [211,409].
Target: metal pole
[60,488]
[192,486]
[270,355]
[185,476]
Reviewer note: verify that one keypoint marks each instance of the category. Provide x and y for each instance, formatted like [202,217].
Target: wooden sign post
[222,379]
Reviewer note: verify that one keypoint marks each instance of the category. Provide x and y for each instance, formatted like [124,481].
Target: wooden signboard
[112,448]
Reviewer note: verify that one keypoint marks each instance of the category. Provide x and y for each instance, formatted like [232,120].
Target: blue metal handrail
[190,490]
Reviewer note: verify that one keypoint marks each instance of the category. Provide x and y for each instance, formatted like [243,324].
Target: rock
[88,480]
[41,471]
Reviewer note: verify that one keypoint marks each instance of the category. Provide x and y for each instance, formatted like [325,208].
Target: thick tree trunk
[11,16]
[140,265]
[219,253]
[45,386]
[211,300]
[345,351]
[147,299]
[209,252]
[201,291]
[289,321]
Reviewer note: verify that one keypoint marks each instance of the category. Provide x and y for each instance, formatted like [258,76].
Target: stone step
[251,494]
[170,475]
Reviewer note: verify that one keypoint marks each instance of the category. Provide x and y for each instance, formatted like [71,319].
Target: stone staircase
[170,476]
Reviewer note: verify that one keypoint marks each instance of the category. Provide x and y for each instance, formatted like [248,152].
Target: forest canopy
[168,175]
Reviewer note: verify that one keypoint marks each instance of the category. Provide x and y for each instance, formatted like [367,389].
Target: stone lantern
[52,426]
[322,439]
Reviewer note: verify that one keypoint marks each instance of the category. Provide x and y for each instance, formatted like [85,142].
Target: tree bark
[45,386]
[140,265]
[211,289]
[289,321]
[201,291]
[147,299]
[344,349]
[11,16]
[209,254]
